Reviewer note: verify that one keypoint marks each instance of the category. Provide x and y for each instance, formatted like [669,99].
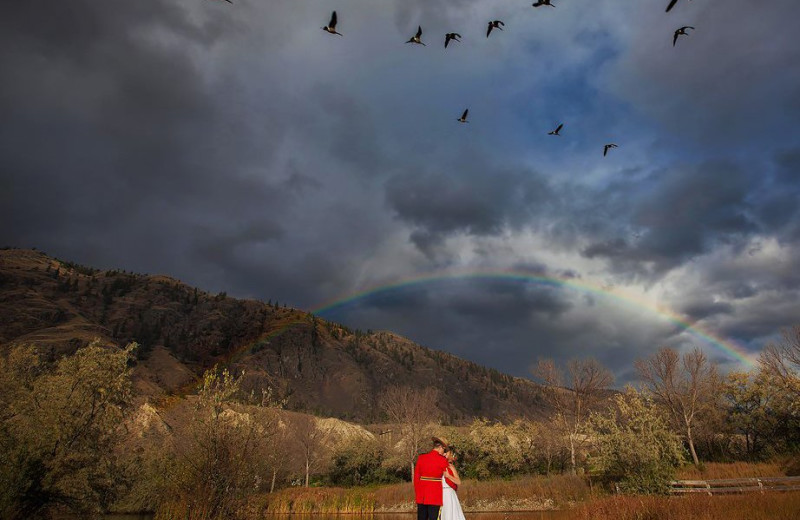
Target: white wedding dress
[451,507]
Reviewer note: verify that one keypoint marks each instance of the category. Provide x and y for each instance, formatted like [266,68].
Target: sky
[240,148]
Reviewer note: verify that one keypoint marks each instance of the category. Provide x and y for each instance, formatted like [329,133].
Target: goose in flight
[671,4]
[463,118]
[540,3]
[496,24]
[679,32]
[331,27]
[451,36]
[415,39]
[557,130]
[607,147]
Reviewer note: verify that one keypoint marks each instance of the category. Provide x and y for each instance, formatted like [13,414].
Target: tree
[633,445]
[360,461]
[540,449]
[588,385]
[782,360]
[223,452]
[59,430]
[686,388]
[310,438]
[411,409]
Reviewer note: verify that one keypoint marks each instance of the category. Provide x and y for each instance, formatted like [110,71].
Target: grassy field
[771,506]
[567,497]
[713,470]
[522,494]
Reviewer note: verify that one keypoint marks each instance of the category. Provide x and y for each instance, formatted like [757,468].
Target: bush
[361,462]
[633,446]
[59,428]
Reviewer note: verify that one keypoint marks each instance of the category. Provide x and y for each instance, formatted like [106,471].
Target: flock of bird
[498,24]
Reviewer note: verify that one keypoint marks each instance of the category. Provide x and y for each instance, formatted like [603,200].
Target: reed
[534,493]
[717,470]
[181,509]
[315,500]
[770,506]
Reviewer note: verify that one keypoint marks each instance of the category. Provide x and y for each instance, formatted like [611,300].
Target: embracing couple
[435,483]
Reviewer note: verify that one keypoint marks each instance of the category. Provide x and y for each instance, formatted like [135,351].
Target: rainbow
[624,298]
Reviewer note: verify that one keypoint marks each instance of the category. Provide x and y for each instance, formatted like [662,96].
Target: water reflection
[527,515]
[516,515]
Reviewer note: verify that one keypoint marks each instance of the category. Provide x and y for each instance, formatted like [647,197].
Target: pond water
[526,515]
[532,515]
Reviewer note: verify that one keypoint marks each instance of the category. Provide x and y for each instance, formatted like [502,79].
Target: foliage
[59,430]
[360,462]
[634,446]
[222,452]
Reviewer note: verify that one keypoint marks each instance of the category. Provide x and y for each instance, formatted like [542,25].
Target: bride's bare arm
[454,475]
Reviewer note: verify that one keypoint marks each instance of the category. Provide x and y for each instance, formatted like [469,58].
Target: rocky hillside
[315,365]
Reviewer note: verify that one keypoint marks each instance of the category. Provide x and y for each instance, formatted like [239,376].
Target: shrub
[633,446]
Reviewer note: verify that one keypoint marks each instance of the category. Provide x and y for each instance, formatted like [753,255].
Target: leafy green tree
[633,445]
[59,430]
[750,400]
[360,462]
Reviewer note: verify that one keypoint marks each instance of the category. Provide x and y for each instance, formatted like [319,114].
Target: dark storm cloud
[778,207]
[680,213]
[703,309]
[242,149]
[116,149]
[734,83]
[476,199]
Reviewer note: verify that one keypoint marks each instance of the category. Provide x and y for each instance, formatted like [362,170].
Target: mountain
[315,365]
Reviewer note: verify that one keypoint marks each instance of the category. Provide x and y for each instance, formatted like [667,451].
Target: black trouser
[427,512]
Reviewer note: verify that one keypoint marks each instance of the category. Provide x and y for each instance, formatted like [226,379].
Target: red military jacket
[428,478]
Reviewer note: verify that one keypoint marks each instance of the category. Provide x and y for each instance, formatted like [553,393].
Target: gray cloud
[242,149]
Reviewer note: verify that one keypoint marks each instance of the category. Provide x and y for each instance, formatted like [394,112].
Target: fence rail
[736,485]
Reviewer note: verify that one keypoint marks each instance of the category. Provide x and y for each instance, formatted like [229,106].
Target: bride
[451,507]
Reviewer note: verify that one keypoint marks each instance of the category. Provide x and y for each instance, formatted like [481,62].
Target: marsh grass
[534,493]
[770,506]
[571,496]
[717,470]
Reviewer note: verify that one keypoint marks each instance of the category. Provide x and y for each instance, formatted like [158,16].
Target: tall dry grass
[534,493]
[770,506]
[716,470]
[328,500]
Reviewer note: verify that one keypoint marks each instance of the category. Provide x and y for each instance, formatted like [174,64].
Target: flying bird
[463,118]
[451,36]
[557,130]
[331,27]
[679,32]
[415,39]
[540,3]
[496,24]
[671,4]
[607,147]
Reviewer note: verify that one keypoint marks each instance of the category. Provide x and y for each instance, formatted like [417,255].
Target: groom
[428,480]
